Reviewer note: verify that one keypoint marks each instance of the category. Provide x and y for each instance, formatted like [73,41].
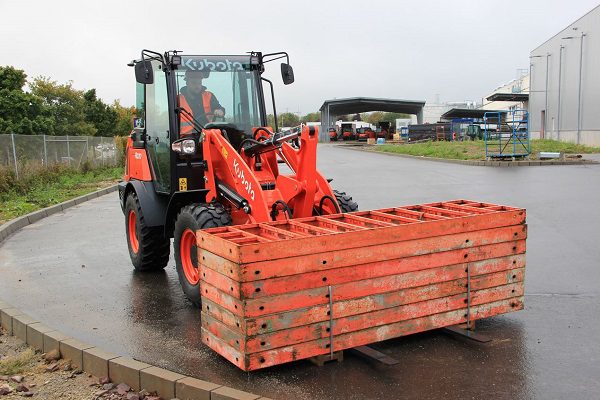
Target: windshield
[219,89]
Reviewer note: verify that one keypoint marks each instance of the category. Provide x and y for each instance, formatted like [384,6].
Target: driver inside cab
[197,101]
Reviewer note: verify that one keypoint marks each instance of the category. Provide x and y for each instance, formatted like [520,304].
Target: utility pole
[559,85]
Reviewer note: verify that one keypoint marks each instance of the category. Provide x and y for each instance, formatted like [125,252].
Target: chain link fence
[19,150]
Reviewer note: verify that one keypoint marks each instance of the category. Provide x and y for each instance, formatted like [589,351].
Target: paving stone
[8,229]
[19,325]
[159,380]
[68,204]
[36,216]
[52,340]
[6,316]
[95,361]
[227,393]
[126,370]
[194,389]
[54,209]
[72,349]
[19,223]
[35,335]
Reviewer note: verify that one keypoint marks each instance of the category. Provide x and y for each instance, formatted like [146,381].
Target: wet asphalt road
[72,271]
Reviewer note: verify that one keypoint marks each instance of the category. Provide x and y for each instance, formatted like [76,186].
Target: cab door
[158,143]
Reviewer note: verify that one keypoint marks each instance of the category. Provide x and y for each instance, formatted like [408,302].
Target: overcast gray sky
[413,50]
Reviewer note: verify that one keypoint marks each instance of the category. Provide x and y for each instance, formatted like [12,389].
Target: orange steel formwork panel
[288,290]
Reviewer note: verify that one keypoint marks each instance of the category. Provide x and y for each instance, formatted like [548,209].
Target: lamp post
[579,85]
[559,85]
[546,104]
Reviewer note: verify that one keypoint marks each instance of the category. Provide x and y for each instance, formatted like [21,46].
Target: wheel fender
[178,200]
[154,206]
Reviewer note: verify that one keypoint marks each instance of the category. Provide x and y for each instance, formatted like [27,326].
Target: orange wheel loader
[218,173]
[283,266]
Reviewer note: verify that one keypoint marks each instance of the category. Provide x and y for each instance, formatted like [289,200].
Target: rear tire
[345,202]
[191,218]
[148,248]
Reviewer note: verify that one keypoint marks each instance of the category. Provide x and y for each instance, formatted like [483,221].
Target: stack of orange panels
[288,290]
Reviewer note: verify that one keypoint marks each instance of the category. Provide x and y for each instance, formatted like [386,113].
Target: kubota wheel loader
[223,173]
[285,267]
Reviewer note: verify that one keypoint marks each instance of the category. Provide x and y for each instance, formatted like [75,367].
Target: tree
[380,116]
[350,117]
[20,112]
[125,117]
[64,106]
[312,117]
[283,120]
[288,119]
[271,121]
[103,117]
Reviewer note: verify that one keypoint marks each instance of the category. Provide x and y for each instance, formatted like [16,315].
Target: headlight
[187,147]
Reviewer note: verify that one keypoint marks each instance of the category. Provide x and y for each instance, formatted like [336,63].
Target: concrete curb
[17,224]
[95,360]
[480,163]
[100,363]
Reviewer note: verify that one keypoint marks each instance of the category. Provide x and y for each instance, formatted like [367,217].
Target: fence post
[102,148]
[45,162]
[12,137]
[68,151]
[87,150]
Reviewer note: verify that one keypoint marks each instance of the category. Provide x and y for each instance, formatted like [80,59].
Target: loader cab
[235,84]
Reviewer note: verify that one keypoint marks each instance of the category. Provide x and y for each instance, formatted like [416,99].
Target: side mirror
[144,73]
[287,73]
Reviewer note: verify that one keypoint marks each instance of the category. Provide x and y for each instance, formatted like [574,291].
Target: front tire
[148,247]
[191,218]
[345,202]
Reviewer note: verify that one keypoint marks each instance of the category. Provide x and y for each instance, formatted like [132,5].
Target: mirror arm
[157,56]
[273,100]
[281,54]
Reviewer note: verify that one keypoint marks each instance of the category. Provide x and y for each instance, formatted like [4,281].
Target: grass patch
[43,187]
[561,147]
[475,150]
[19,363]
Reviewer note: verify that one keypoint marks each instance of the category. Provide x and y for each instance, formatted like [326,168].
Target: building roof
[468,113]
[508,97]
[353,105]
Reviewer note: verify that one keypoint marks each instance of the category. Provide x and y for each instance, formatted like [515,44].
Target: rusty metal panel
[287,290]
[376,334]
[249,243]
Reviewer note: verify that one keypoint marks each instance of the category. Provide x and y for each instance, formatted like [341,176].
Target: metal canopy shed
[336,107]
[520,97]
[477,113]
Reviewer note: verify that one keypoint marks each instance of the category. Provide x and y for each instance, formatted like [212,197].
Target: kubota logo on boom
[240,174]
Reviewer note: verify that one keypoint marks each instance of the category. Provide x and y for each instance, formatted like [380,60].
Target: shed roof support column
[420,116]
[325,125]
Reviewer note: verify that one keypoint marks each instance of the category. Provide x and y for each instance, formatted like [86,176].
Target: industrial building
[510,96]
[564,95]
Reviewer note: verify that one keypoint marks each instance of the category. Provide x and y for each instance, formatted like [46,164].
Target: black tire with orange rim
[148,247]
[191,218]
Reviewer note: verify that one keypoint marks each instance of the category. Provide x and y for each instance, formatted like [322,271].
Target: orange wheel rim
[187,252]
[132,225]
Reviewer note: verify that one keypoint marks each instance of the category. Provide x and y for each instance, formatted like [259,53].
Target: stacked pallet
[288,290]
